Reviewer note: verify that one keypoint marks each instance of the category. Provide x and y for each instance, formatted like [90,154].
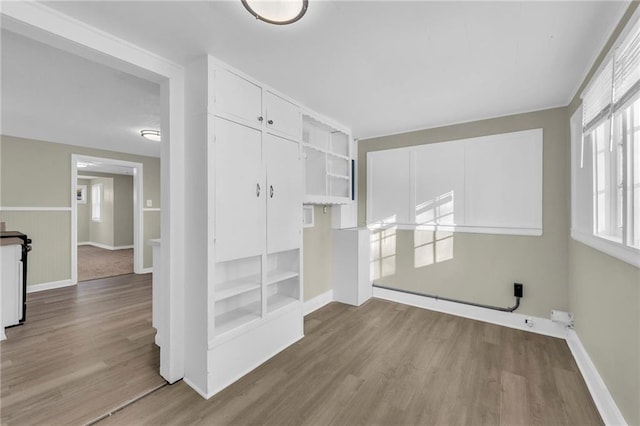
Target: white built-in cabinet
[244,292]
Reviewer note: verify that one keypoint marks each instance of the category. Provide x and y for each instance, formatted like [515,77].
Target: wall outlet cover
[149,203]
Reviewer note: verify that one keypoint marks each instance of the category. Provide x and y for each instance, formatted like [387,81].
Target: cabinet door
[237,97]
[284,192]
[283,116]
[239,191]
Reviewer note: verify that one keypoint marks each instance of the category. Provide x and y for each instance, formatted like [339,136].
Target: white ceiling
[384,67]
[51,95]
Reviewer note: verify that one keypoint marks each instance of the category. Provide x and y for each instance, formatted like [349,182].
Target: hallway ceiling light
[152,135]
[278,12]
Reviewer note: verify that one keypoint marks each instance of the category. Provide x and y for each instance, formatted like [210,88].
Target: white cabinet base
[351,281]
[230,358]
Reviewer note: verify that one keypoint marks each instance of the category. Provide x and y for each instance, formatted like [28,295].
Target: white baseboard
[196,388]
[598,389]
[49,286]
[147,270]
[104,246]
[317,302]
[507,319]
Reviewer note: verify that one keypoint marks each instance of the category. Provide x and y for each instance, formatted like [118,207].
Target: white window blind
[596,101]
[627,68]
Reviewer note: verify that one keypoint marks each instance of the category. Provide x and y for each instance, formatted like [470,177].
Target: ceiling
[52,95]
[380,67]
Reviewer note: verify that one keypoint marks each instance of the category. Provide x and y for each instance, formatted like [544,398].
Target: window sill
[626,254]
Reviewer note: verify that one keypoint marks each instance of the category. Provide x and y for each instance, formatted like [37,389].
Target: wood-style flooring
[96,262]
[88,350]
[390,364]
[84,351]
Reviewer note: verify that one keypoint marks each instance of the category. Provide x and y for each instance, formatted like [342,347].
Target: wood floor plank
[84,351]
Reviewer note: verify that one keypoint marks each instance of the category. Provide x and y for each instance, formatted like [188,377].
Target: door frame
[138,218]
[40,22]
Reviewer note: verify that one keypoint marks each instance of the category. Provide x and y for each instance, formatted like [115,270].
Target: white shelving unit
[244,295]
[327,154]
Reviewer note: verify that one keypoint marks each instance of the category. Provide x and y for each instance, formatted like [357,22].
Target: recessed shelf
[278,301]
[237,317]
[280,275]
[233,288]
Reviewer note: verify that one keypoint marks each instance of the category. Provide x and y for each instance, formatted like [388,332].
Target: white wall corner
[605,403]
[317,302]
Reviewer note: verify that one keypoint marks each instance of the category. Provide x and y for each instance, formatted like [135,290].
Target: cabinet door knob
[270,122]
[257,189]
[271,191]
[260,119]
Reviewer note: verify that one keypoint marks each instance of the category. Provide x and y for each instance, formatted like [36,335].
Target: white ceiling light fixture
[152,135]
[277,12]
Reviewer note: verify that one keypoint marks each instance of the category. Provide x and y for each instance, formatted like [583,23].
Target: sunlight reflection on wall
[383,251]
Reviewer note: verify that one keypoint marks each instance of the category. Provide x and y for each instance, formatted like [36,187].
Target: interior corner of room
[488,193]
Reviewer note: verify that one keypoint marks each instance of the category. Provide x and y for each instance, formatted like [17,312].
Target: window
[606,156]
[96,202]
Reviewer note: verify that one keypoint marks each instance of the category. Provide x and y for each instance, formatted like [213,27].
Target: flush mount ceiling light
[278,12]
[152,135]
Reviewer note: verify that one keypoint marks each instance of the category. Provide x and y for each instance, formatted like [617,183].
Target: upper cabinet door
[240,191]
[283,116]
[284,194]
[237,97]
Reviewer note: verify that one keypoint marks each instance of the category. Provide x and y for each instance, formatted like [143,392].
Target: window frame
[620,163]
[97,202]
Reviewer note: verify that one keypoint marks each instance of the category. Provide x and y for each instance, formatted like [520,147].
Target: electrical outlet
[517,289]
[149,203]
[529,321]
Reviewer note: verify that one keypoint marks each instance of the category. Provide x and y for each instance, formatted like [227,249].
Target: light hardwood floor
[84,351]
[389,364]
[88,350]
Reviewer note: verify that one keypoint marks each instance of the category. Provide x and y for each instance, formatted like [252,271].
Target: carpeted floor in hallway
[94,262]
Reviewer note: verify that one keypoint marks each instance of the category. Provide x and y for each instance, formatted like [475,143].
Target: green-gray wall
[604,295]
[483,268]
[118,226]
[50,259]
[317,254]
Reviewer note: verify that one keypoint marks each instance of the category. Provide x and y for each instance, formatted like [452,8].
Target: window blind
[597,98]
[627,68]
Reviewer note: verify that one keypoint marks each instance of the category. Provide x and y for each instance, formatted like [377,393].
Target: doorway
[104,242]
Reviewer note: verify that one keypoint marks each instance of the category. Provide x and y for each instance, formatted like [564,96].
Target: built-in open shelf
[327,157]
[237,317]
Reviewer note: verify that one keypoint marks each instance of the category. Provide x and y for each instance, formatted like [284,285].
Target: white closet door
[440,183]
[389,186]
[237,97]
[283,116]
[240,191]
[284,194]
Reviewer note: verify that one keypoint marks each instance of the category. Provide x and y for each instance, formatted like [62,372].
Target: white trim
[148,270]
[601,397]
[317,302]
[34,288]
[104,246]
[626,254]
[151,209]
[35,209]
[506,319]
